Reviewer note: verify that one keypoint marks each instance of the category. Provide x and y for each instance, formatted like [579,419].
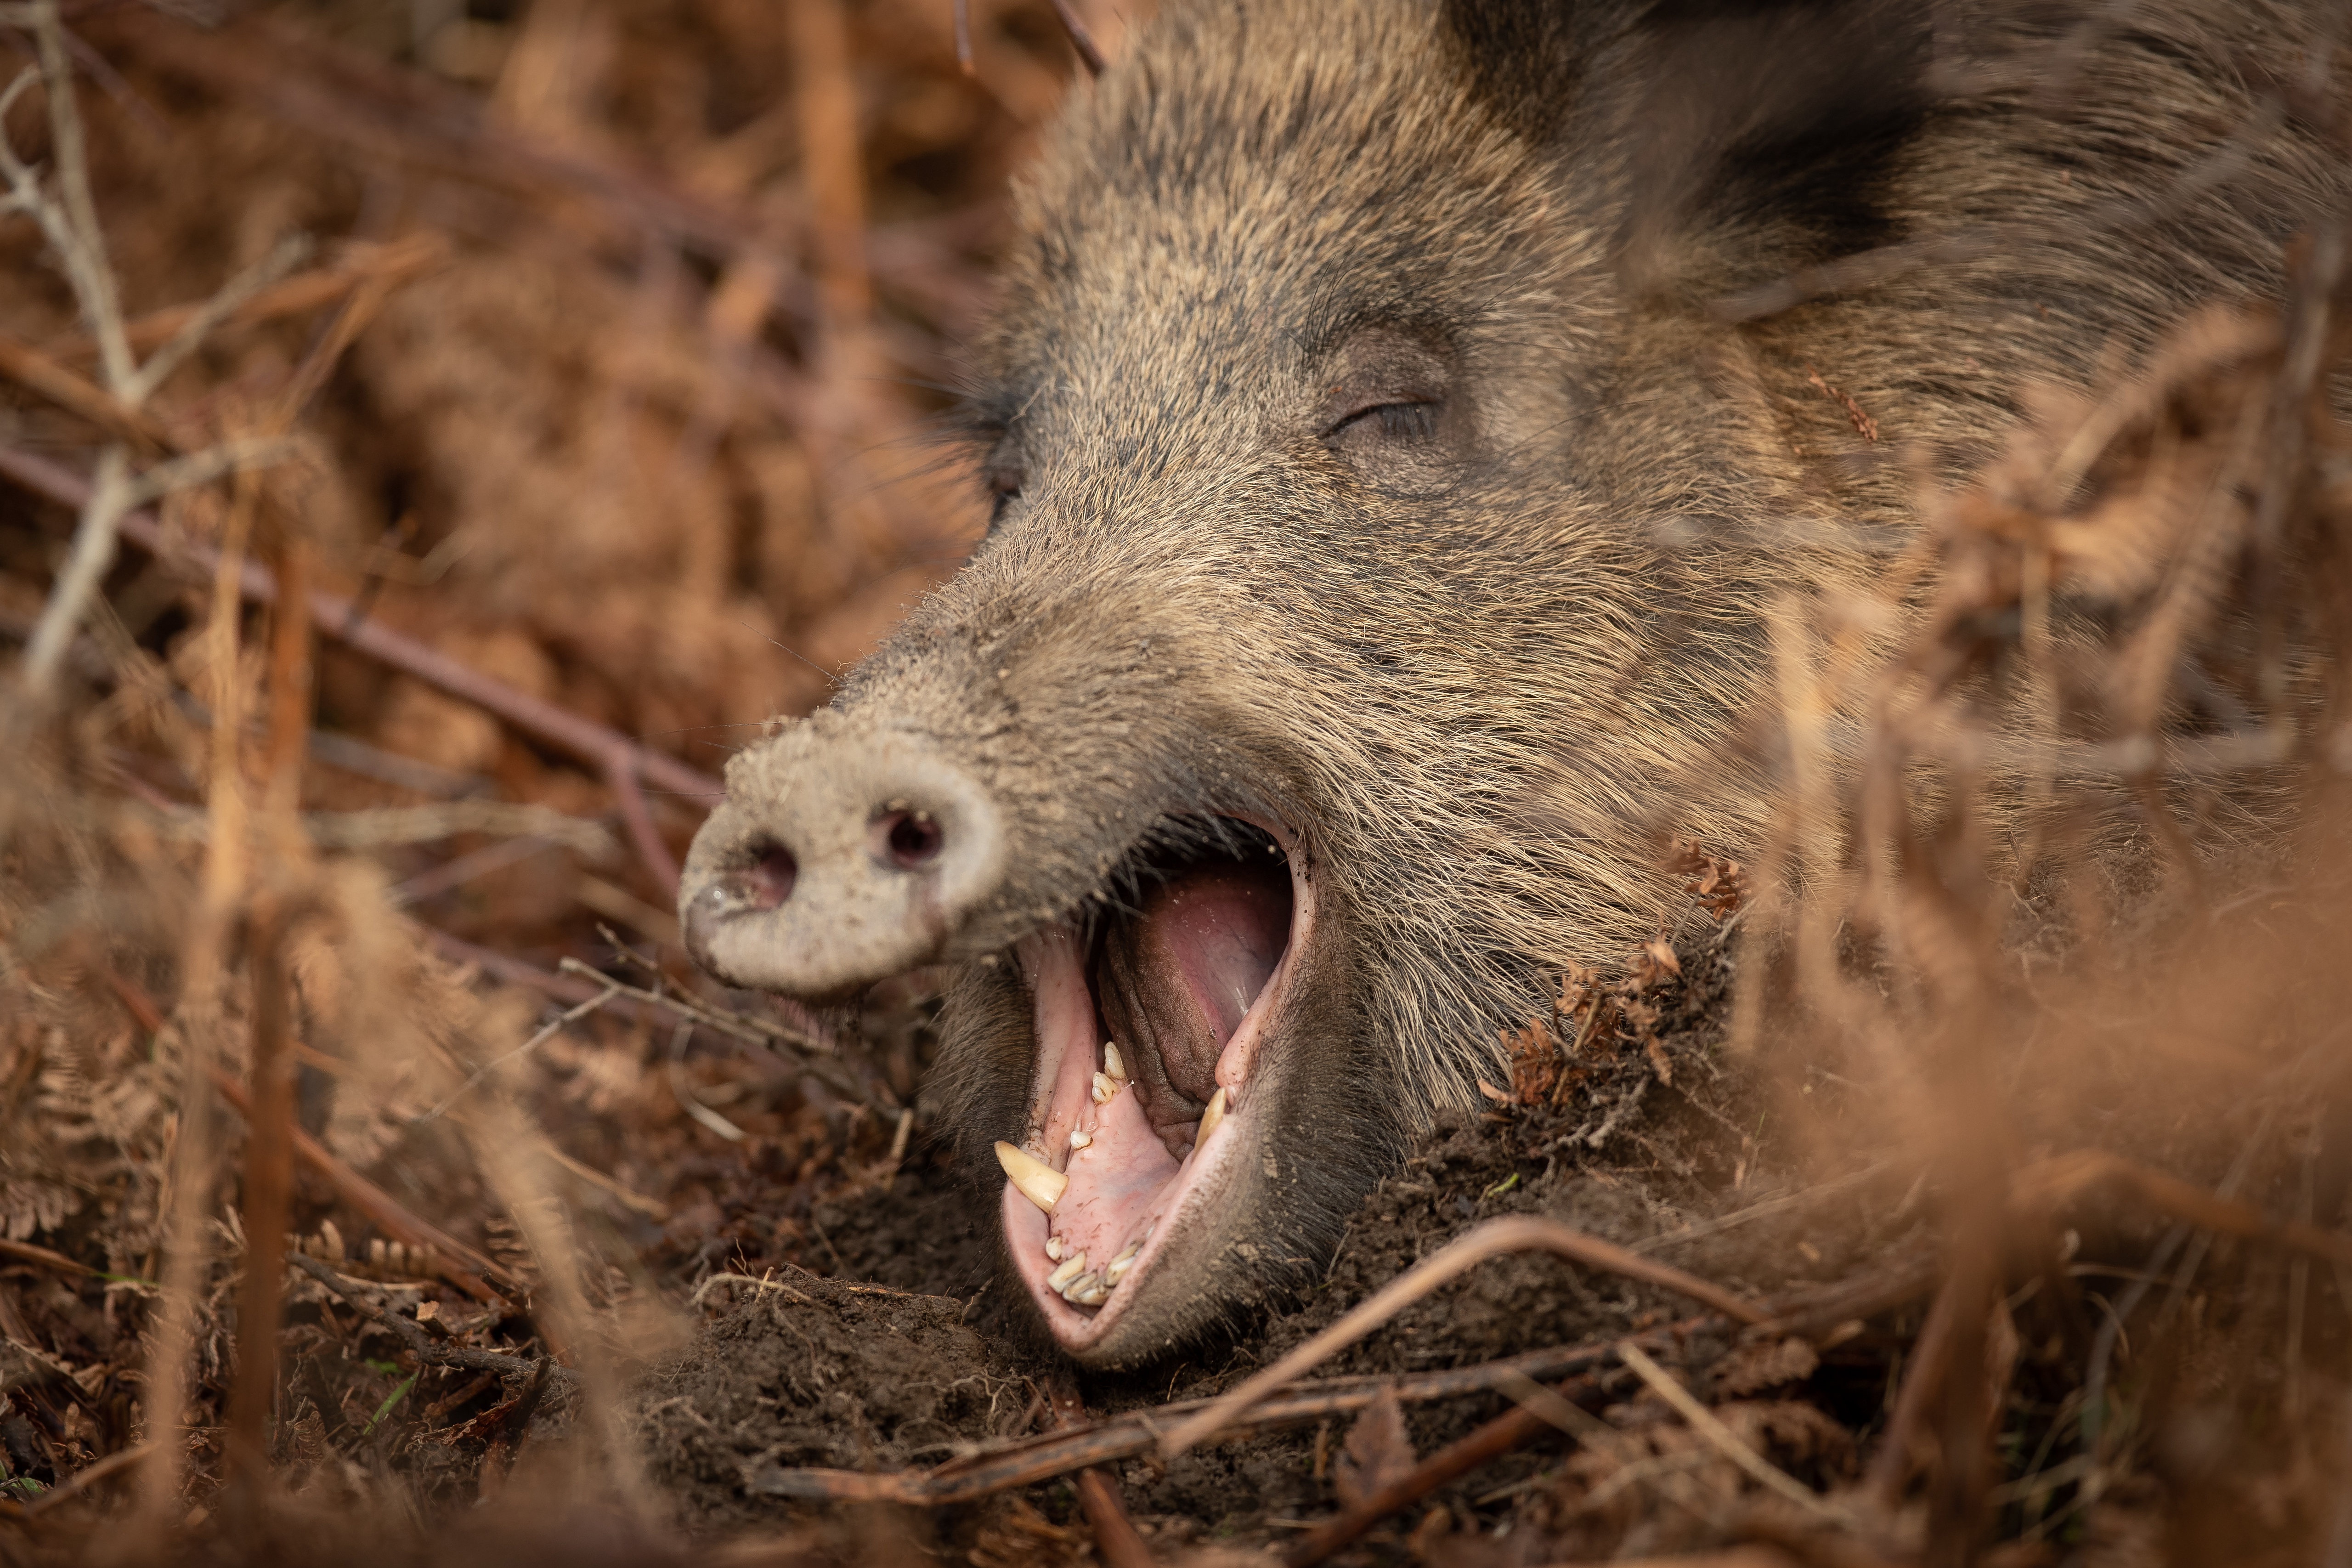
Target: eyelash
[1397,421]
[1004,482]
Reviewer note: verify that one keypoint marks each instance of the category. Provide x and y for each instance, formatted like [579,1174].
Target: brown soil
[920,1362]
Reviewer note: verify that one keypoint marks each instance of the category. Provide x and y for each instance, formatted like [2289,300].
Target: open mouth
[1149,1032]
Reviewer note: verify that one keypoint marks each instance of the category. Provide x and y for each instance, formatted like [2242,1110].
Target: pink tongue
[1113,1182]
[1222,932]
[1173,984]
[1176,979]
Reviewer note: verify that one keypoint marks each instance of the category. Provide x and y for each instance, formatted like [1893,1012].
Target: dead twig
[241,304]
[2043,1189]
[1519,1232]
[268,1195]
[66,213]
[1513,1428]
[545,1033]
[88,1476]
[1705,1422]
[1026,1461]
[1116,1537]
[1930,1354]
[412,1335]
[454,1261]
[614,755]
[27,1252]
[811,1055]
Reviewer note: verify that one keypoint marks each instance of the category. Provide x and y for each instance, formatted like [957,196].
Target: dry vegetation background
[585,356]
[570,366]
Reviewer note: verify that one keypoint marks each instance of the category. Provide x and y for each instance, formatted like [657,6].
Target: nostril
[768,882]
[910,837]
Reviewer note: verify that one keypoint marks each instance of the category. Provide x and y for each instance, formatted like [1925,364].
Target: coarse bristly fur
[1382,449]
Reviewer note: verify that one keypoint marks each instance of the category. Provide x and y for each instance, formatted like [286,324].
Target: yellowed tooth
[1105,1086]
[1054,1249]
[1111,1062]
[1085,1290]
[1039,1182]
[1080,1138]
[1209,1117]
[1072,1266]
[1116,1269]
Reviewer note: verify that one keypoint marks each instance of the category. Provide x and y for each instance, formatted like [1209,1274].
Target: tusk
[1039,1182]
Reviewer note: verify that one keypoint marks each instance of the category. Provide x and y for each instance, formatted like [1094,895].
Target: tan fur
[1486,676]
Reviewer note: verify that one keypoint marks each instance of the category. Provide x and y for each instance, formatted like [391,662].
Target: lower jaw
[1180,1218]
[1167,1239]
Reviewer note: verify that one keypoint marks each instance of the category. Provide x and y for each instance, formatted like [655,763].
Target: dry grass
[592,438]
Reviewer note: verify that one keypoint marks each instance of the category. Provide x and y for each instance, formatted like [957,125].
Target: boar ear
[1766,130]
[1758,128]
[1526,57]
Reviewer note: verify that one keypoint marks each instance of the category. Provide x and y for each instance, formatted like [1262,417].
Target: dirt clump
[810,1371]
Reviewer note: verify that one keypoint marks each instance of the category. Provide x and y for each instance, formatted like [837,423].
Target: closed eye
[1407,421]
[1004,484]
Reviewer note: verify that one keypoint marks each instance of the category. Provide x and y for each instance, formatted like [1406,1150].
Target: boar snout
[842,854]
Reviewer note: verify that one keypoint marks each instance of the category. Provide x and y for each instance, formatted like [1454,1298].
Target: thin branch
[1116,1537]
[202,467]
[78,395]
[454,1261]
[1026,1461]
[379,826]
[1707,1425]
[814,1060]
[104,504]
[1519,1232]
[331,614]
[100,301]
[2043,1188]
[1089,52]
[284,256]
[25,1252]
[422,1345]
[545,1033]
[1522,1423]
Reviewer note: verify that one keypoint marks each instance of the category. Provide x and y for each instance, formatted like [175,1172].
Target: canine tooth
[1079,1138]
[1072,1266]
[1039,1182]
[1111,1063]
[1105,1086]
[1054,1249]
[1210,1118]
[1085,1290]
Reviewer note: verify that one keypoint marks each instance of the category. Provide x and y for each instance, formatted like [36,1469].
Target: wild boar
[1387,512]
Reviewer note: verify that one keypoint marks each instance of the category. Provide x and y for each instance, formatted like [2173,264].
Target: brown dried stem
[1116,1537]
[25,1252]
[454,1261]
[268,1193]
[1029,1460]
[813,1061]
[1513,1428]
[1089,53]
[187,1260]
[1723,1439]
[422,1345]
[2041,1190]
[621,760]
[1518,1233]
